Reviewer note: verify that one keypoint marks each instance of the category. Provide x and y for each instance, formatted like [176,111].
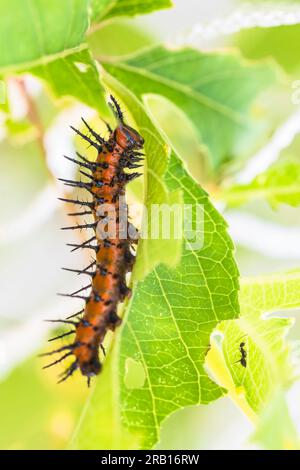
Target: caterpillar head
[126,137]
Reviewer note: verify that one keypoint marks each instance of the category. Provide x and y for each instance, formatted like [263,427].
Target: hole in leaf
[81,66]
[134,374]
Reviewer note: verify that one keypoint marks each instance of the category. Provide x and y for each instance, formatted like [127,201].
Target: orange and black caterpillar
[113,256]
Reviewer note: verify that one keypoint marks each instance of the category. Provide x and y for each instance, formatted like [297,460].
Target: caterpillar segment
[113,257]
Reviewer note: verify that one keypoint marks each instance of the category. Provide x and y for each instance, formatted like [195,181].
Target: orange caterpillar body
[107,181]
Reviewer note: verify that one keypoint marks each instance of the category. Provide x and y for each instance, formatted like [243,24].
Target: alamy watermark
[160,221]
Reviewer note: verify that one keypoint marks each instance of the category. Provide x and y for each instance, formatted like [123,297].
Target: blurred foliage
[36,32]
[216,102]
[279,184]
[64,77]
[276,429]
[35,412]
[27,167]
[278,43]
[118,38]
[105,9]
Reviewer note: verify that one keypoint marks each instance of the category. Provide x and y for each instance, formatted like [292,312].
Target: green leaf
[105,9]
[99,8]
[117,38]
[161,348]
[279,184]
[260,43]
[214,90]
[75,76]
[38,31]
[52,47]
[268,358]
